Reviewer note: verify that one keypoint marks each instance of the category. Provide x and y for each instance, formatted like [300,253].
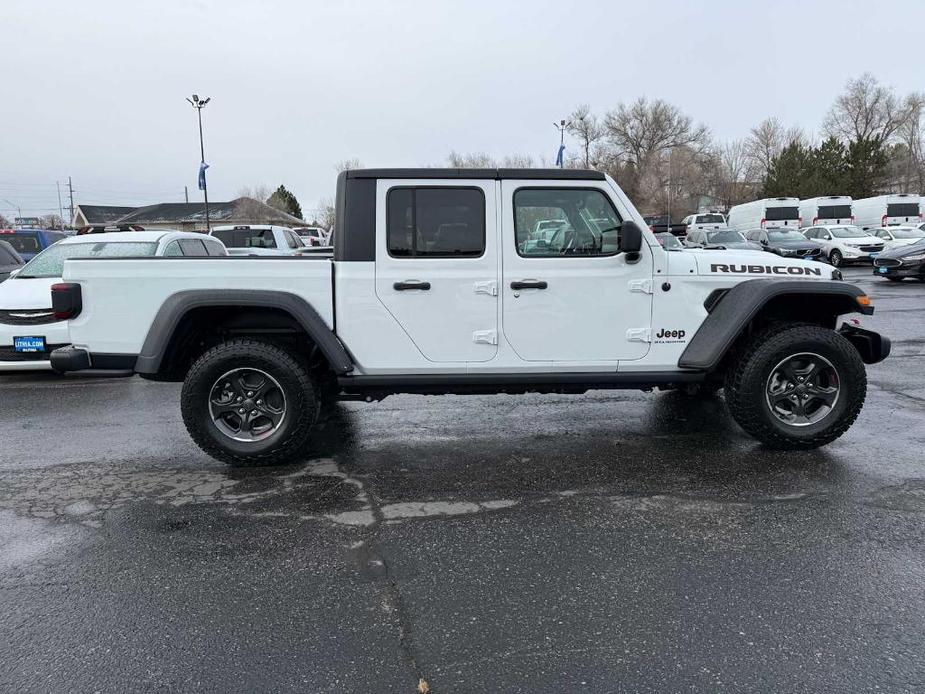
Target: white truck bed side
[122,297]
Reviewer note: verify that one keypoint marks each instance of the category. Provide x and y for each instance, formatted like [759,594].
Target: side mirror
[630,240]
[764,242]
[827,238]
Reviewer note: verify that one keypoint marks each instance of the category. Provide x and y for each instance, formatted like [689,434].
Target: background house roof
[103,214]
[239,210]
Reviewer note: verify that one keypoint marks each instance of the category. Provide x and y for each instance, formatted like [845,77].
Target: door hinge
[639,335]
[485,337]
[489,287]
[643,286]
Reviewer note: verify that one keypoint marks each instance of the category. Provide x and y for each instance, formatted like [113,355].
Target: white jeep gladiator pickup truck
[437,286]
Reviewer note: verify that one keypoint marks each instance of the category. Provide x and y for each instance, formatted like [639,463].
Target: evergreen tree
[828,170]
[788,172]
[285,201]
[866,167]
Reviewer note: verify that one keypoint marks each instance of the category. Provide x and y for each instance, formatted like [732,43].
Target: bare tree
[764,142]
[733,177]
[347,164]
[324,214]
[866,110]
[910,135]
[643,130]
[472,160]
[258,192]
[587,128]
[51,221]
[518,161]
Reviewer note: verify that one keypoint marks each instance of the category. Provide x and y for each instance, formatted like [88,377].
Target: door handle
[529,284]
[411,284]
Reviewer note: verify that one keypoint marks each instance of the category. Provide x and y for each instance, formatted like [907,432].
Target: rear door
[574,299]
[437,265]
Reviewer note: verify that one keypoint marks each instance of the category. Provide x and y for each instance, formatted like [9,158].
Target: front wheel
[796,386]
[836,258]
[249,402]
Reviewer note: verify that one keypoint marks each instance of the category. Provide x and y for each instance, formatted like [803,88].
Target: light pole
[560,157]
[198,104]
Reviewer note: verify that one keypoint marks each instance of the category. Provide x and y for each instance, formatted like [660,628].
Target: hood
[911,249]
[21,292]
[797,244]
[860,241]
[733,263]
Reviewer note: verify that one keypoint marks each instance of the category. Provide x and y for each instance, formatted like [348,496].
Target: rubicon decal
[767,269]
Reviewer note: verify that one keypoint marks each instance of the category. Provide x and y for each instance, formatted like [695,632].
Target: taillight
[852,219]
[66,300]
[800,221]
[815,219]
[763,220]
[883,221]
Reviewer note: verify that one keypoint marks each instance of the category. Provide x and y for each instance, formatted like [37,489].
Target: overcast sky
[95,89]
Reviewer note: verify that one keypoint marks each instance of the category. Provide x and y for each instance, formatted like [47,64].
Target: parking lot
[616,541]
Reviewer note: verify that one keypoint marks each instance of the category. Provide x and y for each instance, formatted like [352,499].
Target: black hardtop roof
[540,174]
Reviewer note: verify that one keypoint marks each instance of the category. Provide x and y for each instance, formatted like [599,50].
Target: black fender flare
[178,305]
[734,310]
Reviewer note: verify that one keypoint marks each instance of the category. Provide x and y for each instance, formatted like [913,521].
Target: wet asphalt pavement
[616,541]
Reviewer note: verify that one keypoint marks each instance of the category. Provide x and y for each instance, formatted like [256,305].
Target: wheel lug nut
[260,402]
[253,412]
[250,393]
[240,399]
[241,410]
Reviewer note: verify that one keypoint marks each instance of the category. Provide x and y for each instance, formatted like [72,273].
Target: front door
[570,295]
[437,266]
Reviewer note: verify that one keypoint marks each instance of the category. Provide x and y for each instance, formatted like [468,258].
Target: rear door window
[902,209]
[436,222]
[780,214]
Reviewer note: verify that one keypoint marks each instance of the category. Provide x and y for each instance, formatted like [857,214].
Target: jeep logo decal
[665,335]
[767,269]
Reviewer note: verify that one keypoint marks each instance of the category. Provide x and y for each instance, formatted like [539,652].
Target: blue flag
[560,156]
[202,175]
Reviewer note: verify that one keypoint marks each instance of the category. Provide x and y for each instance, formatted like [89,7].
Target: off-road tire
[747,378]
[289,442]
[836,258]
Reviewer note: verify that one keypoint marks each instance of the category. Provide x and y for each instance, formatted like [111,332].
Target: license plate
[882,270]
[29,344]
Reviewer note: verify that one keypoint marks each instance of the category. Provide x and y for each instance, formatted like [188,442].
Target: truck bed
[121,297]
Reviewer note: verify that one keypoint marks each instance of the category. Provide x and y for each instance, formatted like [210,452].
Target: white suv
[845,244]
[894,237]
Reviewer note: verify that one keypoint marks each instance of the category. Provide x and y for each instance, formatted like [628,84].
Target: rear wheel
[796,386]
[835,257]
[249,402]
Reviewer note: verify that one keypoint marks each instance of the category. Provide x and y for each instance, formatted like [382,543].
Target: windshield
[907,233]
[710,219]
[725,237]
[786,236]
[50,262]
[848,232]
